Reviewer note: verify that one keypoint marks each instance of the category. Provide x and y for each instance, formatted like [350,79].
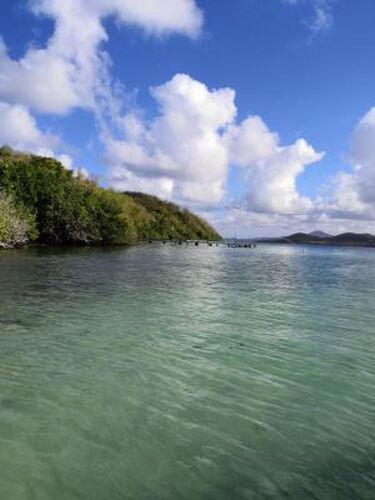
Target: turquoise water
[165,372]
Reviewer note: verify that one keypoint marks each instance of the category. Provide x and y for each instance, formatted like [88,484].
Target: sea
[173,372]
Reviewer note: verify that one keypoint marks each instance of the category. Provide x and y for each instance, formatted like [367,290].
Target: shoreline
[318,244]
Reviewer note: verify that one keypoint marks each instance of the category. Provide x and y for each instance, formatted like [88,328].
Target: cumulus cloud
[60,77]
[181,152]
[180,16]
[349,205]
[19,129]
[354,196]
[186,151]
[71,71]
[271,170]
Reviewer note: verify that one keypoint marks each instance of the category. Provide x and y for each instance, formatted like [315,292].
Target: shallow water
[165,372]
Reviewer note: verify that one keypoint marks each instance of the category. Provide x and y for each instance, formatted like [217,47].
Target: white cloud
[270,170]
[60,77]
[20,130]
[186,151]
[242,223]
[72,70]
[182,150]
[170,16]
[354,196]
[322,19]
[363,156]
[349,206]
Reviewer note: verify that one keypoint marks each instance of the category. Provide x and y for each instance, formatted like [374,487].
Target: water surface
[166,372]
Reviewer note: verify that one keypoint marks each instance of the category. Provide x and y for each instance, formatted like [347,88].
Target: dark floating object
[209,243]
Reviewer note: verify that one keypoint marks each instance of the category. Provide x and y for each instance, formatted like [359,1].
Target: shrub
[16,228]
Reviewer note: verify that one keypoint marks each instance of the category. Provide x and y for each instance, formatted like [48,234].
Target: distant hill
[316,238]
[302,238]
[354,239]
[41,201]
[320,234]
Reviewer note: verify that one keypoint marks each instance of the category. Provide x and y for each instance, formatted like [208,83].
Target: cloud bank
[186,150]
[72,69]
[355,192]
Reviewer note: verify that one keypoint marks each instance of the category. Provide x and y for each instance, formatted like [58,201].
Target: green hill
[42,201]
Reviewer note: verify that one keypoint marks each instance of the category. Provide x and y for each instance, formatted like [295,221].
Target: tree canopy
[55,206]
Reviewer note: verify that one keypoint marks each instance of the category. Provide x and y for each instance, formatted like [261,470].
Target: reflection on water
[171,372]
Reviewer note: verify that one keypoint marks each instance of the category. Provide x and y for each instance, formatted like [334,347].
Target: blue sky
[263,88]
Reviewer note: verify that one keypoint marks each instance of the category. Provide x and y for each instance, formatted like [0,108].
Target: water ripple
[164,372]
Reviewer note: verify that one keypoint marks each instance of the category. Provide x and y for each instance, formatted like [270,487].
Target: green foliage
[166,220]
[63,209]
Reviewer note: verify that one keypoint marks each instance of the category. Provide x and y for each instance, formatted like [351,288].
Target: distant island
[43,202]
[322,238]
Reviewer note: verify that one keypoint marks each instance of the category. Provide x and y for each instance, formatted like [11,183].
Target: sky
[257,114]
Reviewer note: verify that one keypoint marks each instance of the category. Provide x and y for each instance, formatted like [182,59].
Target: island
[322,238]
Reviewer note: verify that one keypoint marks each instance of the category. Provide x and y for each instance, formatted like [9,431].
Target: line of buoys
[239,245]
[229,244]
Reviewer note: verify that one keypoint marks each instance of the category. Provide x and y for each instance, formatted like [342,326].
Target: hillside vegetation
[42,201]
